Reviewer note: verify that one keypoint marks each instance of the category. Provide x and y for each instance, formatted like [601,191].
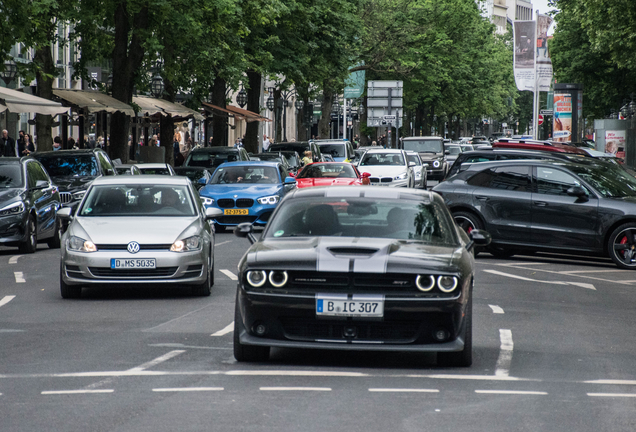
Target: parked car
[340,150]
[330,174]
[138,230]
[293,160]
[388,167]
[156,169]
[127,169]
[299,147]
[246,192]
[419,170]
[529,144]
[452,151]
[29,202]
[212,157]
[348,268]
[583,207]
[273,157]
[431,151]
[199,176]
[360,151]
[73,171]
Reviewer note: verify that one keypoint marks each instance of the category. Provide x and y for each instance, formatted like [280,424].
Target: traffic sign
[546,112]
[389,117]
[540,119]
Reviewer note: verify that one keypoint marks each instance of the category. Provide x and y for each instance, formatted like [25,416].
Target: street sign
[540,119]
[389,117]
[546,112]
[384,102]
[381,92]
[380,112]
[385,84]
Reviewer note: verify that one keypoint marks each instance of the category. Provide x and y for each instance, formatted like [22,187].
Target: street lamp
[9,71]
[299,104]
[157,86]
[270,99]
[241,97]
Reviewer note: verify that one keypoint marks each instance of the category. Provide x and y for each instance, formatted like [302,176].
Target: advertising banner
[562,117]
[544,64]
[524,34]
[354,84]
[615,143]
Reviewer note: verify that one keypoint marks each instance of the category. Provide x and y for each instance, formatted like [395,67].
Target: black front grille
[244,202]
[374,179]
[74,272]
[309,329]
[132,273]
[386,180]
[123,247]
[225,203]
[193,271]
[327,281]
[66,197]
[235,220]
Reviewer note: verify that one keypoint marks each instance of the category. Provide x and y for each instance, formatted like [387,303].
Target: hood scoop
[352,250]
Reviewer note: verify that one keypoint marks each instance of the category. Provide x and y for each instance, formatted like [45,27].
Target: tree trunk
[362,116]
[252,138]
[419,120]
[219,120]
[325,116]
[44,57]
[278,103]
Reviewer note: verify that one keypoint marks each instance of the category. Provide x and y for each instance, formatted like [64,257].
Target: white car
[419,170]
[156,169]
[388,167]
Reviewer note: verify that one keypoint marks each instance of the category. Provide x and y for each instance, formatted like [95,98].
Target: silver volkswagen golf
[138,230]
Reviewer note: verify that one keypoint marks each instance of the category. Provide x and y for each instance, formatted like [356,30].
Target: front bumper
[436,173]
[13,228]
[392,183]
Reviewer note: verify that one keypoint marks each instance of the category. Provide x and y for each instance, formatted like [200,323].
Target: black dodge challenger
[358,268]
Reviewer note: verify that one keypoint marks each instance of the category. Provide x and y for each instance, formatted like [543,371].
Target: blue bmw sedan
[246,191]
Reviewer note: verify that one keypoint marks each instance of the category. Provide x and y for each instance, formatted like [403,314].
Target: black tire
[69,291]
[462,358]
[246,353]
[621,246]
[56,241]
[500,252]
[31,242]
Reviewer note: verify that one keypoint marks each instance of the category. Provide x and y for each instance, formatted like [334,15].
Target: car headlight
[207,201]
[424,283]
[78,244]
[186,245]
[278,278]
[447,283]
[402,176]
[79,195]
[256,278]
[12,209]
[269,200]
[436,164]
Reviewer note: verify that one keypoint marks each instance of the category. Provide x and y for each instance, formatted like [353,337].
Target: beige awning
[153,106]
[19,102]
[93,101]
[239,113]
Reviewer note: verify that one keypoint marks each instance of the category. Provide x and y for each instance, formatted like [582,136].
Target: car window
[245,174]
[551,181]
[335,150]
[106,165]
[155,171]
[508,178]
[210,160]
[414,158]
[424,146]
[70,165]
[382,159]
[40,174]
[327,170]
[32,176]
[11,176]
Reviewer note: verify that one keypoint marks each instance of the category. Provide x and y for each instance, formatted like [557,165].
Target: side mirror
[425,165]
[577,191]
[446,152]
[291,174]
[412,164]
[41,184]
[65,213]
[290,181]
[245,230]
[213,212]
[202,181]
[478,238]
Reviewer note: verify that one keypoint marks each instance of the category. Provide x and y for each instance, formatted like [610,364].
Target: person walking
[8,145]
[29,146]
[266,143]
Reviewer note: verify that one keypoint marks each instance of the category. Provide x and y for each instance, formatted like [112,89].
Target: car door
[42,199]
[561,220]
[503,196]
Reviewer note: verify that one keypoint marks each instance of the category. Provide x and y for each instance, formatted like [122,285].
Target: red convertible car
[331,174]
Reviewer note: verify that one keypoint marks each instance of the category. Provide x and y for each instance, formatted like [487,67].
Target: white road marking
[19,277]
[296,373]
[62,392]
[6,299]
[496,309]
[624,395]
[611,382]
[14,259]
[511,392]
[295,389]
[556,272]
[224,331]
[179,345]
[402,390]
[505,353]
[156,361]
[229,274]
[581,284]
[188,389]
[574,272]
[222,243]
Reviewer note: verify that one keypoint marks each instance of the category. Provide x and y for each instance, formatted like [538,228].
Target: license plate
[134,263]
[356,306]
[233,212]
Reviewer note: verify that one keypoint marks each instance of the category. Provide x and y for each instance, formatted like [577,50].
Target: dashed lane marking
[222,243]
[295,389]
[580,284]
[505,353]
[402,390]
[620,395]
[514,265]
[188,389]
[611,382]
[496,309]
[19,277]
[224,331]
[14,259]
[229,274]
[6,299]
[511,392]
[65,392]
[156,361]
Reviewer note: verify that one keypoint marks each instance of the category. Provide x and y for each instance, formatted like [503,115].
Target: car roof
[191,168]
[10,160]
[250,163]
[383,150]
[152,165]
[319,142]
[155,180]
[478,166]
[218,149]
[359,191]
[66,152]
[429,137]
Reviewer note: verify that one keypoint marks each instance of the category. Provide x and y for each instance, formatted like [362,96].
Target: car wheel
[622,246]
[462,358]
[467,221]
[55,241]
[500,252]
[31,242]
[246,353]
[69,291]
[205,289]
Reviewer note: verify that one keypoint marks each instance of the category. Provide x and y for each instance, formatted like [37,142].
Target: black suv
[73,171]
[212,157]
[300,147]
[586,207]
[432,152]
[28,205]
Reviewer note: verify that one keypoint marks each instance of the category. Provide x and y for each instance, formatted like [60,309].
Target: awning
[159,106]
[19,102]
[93,101]
[239,113]
[229,113]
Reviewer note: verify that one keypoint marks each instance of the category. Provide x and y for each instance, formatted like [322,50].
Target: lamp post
[241,97]
[157,86]
[9,71]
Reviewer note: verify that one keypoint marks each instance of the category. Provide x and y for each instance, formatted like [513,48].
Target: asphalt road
[554,346]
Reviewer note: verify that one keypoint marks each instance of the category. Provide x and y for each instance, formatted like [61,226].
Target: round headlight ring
[446,287]
[278,278]
[436,164]
[256,283]
[421,280]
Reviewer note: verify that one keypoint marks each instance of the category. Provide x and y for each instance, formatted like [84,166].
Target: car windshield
[401,219]
[414,158]
[330,170]
[194,175]
[155,171]
[245,174]
[424,146]
[10,176]
[382,159]
[300,148]
[122,170]
[454,150]
[70,165]
[611,182]
[274,157]
[335,150]
[292,160]
[138,200]
[210,160]
[466,148]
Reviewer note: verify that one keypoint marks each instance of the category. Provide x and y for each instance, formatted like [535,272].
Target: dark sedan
[357,268]
[585,207]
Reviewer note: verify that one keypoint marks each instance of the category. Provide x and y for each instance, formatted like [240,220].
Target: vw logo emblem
[133,247]
[235,196]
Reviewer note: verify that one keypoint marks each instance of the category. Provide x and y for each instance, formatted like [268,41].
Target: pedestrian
[29,146]
[374,143]
[57,143]
[153,141]
[91,141]
[71,143]
[100,142]
[8,145]
[238,143]
[307,159]
[210,142]
[266,143]
[186,148]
